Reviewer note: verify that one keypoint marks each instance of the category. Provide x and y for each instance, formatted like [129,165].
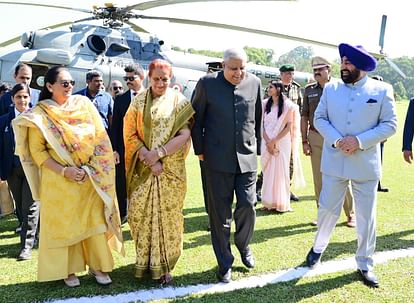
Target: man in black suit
[226,136]
[134,75]
[408,133]
[22,74]
[12,171]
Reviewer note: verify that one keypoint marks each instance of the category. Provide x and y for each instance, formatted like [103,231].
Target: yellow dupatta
[75,132]
[138,131]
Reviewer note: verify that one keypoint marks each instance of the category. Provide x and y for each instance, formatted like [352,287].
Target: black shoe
[224,278]
[293,197]
[248,259]
[25,254]
[383,189]
[313,258]
[369,278]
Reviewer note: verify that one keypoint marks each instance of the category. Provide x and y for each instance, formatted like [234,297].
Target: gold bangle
[62,172]
[165,150]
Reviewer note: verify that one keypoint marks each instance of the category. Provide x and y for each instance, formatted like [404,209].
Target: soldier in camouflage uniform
[312,141]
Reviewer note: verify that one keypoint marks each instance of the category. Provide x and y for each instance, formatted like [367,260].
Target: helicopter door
[38,74]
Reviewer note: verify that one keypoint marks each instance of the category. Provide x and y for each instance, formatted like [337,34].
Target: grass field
[279,242]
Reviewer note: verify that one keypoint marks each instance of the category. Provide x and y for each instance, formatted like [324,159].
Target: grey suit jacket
[365,110]
[227,122]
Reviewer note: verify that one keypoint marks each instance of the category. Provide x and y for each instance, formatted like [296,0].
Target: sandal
[166,279]
[72,281]
[102,279]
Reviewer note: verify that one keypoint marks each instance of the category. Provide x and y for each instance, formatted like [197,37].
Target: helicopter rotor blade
[157,3]
[236,28]
[85,19]
[136,27]
[47,5]
[16,39]
[395,67]
[381,44]
[266,33]
[382,32]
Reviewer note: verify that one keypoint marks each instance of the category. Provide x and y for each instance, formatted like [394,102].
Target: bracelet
[165,150]
[62,172]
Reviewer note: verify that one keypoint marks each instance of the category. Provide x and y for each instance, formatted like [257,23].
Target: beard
[350,77]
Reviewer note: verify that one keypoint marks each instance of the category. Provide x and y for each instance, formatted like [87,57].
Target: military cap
[287,68]
[318,62]
[358,56]
[214,66]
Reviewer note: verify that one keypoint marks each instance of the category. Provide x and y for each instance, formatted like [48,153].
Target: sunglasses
[117,88]
[66,83]
[130,78]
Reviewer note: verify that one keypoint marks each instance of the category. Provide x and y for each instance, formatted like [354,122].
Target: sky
[332,21]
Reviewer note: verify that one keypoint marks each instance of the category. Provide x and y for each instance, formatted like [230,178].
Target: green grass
[279,242]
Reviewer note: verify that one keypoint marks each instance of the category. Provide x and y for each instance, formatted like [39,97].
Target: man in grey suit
[353,116]
[226,136]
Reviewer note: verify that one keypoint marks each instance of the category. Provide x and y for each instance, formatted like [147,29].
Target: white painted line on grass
[250,282]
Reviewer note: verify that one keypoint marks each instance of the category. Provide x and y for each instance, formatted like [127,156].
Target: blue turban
[358,56]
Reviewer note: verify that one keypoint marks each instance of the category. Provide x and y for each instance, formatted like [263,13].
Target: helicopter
[111,46]
[117,43]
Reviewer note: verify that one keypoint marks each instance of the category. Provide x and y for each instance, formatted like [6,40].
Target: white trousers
[331,201]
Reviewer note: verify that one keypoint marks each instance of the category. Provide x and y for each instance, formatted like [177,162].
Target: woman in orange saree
[156,136]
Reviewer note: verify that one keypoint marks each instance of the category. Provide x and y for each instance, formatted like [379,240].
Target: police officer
[291,90]
[312,141]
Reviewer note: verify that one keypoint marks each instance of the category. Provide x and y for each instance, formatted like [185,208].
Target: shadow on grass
[286,292]
[10,251]
[8,223]
[261,235]
[123,281]
[384,243]
[194,210]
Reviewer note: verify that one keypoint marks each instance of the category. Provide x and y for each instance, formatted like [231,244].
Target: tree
[300,57]
[260,56]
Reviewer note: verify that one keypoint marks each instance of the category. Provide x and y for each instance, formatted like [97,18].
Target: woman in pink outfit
[280,133]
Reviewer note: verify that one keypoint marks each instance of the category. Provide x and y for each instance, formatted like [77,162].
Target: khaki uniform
[311,97]
[293,92]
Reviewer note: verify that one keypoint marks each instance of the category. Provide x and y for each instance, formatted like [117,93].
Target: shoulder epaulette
[310,84]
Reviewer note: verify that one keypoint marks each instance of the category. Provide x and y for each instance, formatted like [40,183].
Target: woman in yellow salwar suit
[156,136]
[68,161]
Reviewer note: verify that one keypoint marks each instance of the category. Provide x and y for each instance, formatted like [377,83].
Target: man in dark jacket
[226,136]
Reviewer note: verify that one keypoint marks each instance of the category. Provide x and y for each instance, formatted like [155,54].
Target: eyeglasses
[66,83]
[117,88]
[130,78]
